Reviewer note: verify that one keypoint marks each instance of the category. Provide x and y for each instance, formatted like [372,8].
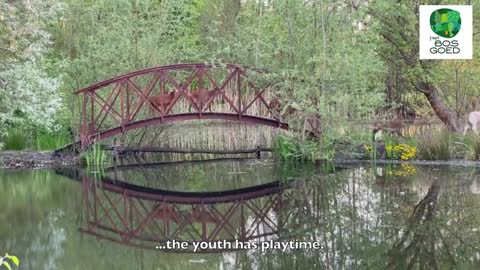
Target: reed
[470,146]
[46,140]
[435,145]
[95,156]
[16,139]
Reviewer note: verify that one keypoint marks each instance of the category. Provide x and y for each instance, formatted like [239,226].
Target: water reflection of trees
[440,232]
[364,218]
[417,243]
[428,221]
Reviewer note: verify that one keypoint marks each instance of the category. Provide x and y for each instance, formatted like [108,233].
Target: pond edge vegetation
[431,145]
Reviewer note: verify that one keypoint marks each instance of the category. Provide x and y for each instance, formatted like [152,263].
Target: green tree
[28,91]
[397,24]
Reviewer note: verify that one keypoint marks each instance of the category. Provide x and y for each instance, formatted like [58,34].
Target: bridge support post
[84,125]
[258,153]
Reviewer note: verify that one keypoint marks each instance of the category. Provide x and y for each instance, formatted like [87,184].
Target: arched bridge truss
[175,93]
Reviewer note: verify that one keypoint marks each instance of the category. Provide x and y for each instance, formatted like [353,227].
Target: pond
[361,217]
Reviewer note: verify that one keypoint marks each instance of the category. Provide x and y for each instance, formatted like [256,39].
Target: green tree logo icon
[445,22]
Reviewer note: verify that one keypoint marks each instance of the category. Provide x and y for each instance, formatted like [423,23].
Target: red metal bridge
[176,93]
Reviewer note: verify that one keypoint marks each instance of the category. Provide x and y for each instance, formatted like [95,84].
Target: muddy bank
[35,159]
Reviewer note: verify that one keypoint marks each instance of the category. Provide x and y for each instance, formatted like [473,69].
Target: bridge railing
[187,91]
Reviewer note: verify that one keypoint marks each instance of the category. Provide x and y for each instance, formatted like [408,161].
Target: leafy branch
[4,261]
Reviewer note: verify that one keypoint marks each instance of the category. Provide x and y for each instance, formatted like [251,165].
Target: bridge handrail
[104,83]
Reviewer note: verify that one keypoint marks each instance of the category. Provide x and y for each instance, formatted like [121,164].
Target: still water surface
[364,217]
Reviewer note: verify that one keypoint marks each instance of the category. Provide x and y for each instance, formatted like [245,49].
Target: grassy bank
[24,139]
[434,144]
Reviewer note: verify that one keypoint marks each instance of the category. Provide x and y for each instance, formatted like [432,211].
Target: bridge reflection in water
[146,217]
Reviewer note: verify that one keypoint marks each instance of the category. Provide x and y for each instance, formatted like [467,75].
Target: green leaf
[14,259]
[7,265]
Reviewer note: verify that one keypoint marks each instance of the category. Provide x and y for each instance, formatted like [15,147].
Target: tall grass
[290,148]
[20,139]
[435,145]
[470,146]
[287,148]
[16,139]
[52,140]
[95,156]
[445,145]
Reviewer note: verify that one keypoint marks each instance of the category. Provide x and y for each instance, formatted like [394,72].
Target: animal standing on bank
[393,126]
[472,122]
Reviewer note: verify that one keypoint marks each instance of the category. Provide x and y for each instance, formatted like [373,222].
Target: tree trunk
[448,117]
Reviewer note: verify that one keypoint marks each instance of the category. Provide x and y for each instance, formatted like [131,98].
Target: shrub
[286,148]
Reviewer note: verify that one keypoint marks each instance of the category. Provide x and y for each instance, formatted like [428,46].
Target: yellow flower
[408,152]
